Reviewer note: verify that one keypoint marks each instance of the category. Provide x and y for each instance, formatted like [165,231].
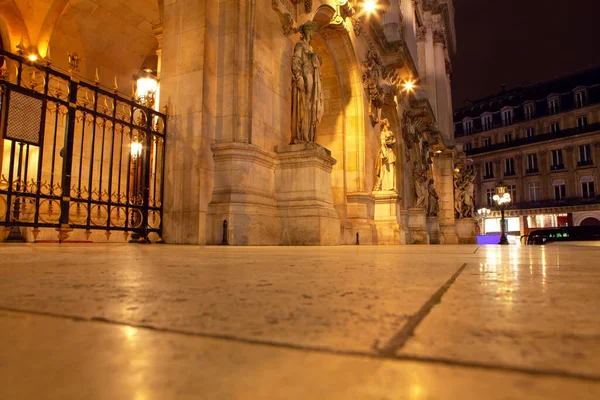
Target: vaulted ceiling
[115,36]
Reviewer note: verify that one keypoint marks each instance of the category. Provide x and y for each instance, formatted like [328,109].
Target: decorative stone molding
[439,38]
[371,78]
[448,67]
[422,34]
[286,13]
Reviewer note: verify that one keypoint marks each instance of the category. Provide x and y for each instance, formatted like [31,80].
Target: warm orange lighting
[370,6]
[32,57]
[409,85]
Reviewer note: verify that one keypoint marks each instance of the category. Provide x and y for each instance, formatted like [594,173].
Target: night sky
[513,42]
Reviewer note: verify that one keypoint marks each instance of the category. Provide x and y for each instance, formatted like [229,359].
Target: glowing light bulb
[32,57]
[409,86]
[370,6]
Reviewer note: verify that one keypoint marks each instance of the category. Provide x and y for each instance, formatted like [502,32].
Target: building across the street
[543,142]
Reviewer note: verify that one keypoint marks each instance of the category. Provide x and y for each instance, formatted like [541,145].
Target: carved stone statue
[371,78]
[420,181]
[469,207]
[464,202]
[307,93]
[410,131]
[433,206]
[386,161]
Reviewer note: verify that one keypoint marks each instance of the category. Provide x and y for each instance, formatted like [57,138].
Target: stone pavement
[399,322]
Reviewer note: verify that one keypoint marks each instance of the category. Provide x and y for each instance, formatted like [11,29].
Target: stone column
[391,23]
[443,174]
[443,107]
[188,88]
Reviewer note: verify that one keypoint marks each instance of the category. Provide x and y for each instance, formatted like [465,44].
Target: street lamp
[147,88]
[502,199]
[483,214]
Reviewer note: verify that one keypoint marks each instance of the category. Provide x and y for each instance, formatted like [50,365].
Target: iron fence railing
[76,155]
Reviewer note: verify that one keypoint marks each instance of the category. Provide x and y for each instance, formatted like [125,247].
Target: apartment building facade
[543,142]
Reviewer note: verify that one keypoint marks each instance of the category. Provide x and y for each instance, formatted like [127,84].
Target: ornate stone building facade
[364,155]
[543,142]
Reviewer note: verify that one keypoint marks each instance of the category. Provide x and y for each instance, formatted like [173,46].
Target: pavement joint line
[322,349]
[397,342]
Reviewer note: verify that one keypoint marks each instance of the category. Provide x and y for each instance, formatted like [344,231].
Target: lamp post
[502,199]
[146,88]
[483,214]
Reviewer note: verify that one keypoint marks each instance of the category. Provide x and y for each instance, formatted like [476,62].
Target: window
[581,122]
[530,132]
[557,159]
[528,111]
[486,122]
[585,155]
[468,126]
[507,138]
[553,106]
[487,142]
[489,196]
[534,191]
[507,117]
[489,170]
[554,127]
[512,190]
[532,163]
[468,146]
[560,189]
[587,186]
[509,167]
[580,99]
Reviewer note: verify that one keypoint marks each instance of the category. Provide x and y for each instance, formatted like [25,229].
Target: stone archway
[590,221]
[342,130]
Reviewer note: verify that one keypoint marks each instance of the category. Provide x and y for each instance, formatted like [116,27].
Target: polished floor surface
[406,322]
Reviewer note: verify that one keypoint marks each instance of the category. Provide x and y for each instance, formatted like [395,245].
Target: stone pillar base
[304,198]
[386,217]
[360,211]
[465,230]
[417,226]
[433,230]
[448,233]
[243,195]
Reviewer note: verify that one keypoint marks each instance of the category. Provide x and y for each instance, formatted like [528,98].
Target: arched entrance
[342,129]
[590,221]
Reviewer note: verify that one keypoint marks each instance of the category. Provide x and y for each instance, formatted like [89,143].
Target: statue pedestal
[417,226]
[386,217]
[304,198]
[465,230]
[433,230]
[243,195]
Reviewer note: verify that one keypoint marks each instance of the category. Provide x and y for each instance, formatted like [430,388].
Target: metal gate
[76,156]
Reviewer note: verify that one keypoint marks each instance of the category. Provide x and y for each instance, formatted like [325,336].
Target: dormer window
[507,116]
[580,98]
[528,111]
[486,122]
[468,126]
[553,105]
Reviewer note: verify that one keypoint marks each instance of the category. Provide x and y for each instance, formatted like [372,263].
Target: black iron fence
[77,156]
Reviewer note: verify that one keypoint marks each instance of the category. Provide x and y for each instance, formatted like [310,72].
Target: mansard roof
[534,92]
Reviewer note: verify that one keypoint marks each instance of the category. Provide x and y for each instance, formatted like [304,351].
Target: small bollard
[225,240]
[357,238]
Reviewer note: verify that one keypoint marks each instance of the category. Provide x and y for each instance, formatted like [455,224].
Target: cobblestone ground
[406,322]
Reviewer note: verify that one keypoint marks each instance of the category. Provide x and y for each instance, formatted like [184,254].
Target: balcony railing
[536,139]
[585,163]
[566,202]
